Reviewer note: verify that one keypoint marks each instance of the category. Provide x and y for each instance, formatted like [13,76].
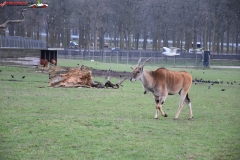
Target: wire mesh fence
[20,42]
[185,59]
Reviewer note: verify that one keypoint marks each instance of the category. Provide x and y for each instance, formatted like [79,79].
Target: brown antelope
[44,62]
[163,82]
[53,61]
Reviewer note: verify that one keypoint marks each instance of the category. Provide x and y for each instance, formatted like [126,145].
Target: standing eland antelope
[163,82]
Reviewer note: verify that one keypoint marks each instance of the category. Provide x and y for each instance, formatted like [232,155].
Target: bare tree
[214,24]
[4,25]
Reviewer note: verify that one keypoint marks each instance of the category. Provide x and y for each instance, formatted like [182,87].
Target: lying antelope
[53,61]
[162,83]
[44,62]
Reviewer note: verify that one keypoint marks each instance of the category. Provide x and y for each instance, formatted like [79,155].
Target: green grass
[81,123]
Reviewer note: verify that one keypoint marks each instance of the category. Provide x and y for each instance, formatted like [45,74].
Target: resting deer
[163,82]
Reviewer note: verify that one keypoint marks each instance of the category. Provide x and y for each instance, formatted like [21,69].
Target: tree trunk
[174,39]
[195,35]
[233,35]
[165,38]
[88,38]
[18,29]
[115,36]
[145,38]
[95,40]
[205,35]
[188,41]
[222,38]
[158,41]
[80,36]
[121,36]
[129,40]
[67,38]
[237,34]
[214,34]
[228,34]
[137,36]
[11,29]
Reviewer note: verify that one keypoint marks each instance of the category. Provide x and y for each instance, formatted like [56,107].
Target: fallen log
[70,77]
[78,77]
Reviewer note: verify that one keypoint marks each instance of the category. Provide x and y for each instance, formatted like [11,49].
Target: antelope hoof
[175,118]
[165,115]
[190,118]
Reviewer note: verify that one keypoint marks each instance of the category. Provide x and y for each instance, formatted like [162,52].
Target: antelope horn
[107,79]
[139,61]
[146,61]
[121,81]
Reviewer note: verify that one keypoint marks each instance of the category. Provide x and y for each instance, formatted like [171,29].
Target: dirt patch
[111,73]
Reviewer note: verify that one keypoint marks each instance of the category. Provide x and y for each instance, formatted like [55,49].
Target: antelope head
[138,70]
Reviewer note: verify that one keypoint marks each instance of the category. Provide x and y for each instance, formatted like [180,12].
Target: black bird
[195,83]
[78,64]
[227,82]
[231,83]
[12,76]
[0,70]
[23,77]
[234,81]
[223,89]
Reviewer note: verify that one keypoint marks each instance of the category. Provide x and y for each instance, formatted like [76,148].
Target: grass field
[38,122]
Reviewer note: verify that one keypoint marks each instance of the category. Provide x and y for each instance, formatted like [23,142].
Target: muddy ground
[111,73]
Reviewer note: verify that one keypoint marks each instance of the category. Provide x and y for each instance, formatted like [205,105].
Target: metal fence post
[111,57]
[117,57]
[127,56]
[1,41]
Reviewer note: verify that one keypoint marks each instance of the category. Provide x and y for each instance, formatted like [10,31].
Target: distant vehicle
[73,44]
[38,5]
[198,50]
[117,49]
[105,45]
